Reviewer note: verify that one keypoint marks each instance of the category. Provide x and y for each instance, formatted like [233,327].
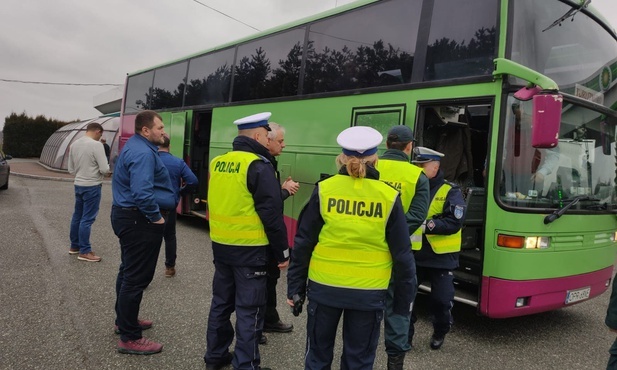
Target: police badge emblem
[458,212]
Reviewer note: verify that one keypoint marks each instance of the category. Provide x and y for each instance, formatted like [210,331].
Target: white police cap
[423,155]
[253,121]
[359,141]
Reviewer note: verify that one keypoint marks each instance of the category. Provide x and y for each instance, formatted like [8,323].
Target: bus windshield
[583,163]
[577,54]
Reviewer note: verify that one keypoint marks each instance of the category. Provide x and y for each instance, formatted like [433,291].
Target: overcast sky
[92,41]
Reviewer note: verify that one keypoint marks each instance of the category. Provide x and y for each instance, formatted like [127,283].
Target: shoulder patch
[459,211]
[430,225]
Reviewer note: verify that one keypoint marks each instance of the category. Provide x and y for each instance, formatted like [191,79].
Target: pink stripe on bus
[499,296]
[292,226]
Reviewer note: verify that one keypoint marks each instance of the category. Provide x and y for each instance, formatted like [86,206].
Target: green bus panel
[571,252]
[177,133]
[175,127]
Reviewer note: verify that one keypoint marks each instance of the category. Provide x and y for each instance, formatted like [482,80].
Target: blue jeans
[140,243]
[87,201]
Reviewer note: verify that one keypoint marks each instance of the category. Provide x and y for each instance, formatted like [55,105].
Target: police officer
[352,238]
[396,170]
[441,243]
[246,228]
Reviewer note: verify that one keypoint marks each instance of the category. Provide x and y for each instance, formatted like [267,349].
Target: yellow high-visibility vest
[233,219]
[402,176]
[352,251]
[442,243]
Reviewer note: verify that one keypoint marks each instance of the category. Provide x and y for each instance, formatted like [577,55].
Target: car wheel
[5,186]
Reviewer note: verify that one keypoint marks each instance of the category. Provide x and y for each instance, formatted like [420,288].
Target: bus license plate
[577,295]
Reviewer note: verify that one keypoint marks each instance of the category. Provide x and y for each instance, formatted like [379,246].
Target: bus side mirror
[546,120]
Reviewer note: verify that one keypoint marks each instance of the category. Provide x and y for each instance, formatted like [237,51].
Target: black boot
[437,340]
[395,362]
[263,339]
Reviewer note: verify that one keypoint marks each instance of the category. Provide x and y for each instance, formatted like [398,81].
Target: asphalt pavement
[32,168]
[57,312]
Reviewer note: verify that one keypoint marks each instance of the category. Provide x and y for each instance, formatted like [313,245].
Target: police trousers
[360,337]
[441,297]
[396,327]
[243,290]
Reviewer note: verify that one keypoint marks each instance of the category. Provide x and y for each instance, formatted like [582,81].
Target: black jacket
[284,193]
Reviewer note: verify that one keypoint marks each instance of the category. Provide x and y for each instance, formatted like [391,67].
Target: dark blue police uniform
[240,276]
[363,309]
[437,268]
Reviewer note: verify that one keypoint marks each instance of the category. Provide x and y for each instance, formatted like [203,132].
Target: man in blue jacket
[183,181]
[142,197]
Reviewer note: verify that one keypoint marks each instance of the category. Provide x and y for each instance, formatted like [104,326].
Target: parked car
[5,170]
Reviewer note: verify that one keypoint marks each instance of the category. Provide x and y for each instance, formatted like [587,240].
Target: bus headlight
[519,242]
[614,236]
[510,241]
[536,242]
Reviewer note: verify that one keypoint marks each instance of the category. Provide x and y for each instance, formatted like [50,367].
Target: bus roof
[282,27]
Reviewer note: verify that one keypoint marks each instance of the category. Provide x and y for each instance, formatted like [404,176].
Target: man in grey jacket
[88,163]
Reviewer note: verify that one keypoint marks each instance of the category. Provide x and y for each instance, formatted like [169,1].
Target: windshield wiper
[569,14]
[572,201]
[597,207]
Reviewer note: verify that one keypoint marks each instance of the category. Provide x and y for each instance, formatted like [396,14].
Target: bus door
[177,147]
[200,159]
[175,127]
[461,131]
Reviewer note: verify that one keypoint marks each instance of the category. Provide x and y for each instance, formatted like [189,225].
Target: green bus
[519,94]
